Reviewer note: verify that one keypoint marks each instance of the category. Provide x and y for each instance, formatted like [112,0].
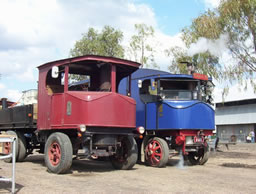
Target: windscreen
[178,89]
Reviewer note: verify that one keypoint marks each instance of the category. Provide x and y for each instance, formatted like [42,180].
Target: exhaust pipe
[4,103]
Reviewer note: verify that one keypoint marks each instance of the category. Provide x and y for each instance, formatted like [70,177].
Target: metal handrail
[10,139]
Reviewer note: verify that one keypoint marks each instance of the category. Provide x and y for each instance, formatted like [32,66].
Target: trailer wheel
[157,152]
[126,155]
[21,147]
[58,153]
[22,154]
[7,147]
[200,157]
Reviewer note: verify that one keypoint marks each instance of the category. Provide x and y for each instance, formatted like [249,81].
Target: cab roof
[153,73]
[94,59]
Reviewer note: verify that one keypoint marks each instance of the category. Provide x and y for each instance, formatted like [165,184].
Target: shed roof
[236,102]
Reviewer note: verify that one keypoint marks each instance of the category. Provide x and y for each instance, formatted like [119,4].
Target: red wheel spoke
[156,159]
[152,161]
[158,154]
[54,154]
[156,148]
[154,152]
[7,148]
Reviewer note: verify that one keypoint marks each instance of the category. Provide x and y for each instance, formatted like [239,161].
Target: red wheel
[154,152]
[7,147]
[58,153]
[157,152]
[54,154]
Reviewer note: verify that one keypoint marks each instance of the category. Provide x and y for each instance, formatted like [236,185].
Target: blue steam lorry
[173,115]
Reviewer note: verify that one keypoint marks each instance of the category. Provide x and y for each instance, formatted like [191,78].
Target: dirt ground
[227,171]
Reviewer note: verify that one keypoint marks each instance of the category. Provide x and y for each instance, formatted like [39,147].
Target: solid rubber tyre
[58,153]
[156,152]
[206,155]
[22,154]
[200,157]
[127,155]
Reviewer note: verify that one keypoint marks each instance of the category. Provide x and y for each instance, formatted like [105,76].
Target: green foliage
[140,48]
[237,20]
[206,25]
[105,43]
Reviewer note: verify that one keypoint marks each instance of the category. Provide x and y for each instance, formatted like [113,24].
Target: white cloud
[166,42]
[236,92]
[13,95]
[27,75]
[212,3]
[53,26]
[2,86]
[38,31]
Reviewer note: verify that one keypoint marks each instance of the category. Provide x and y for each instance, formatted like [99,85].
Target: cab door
[151,115]
[148,94]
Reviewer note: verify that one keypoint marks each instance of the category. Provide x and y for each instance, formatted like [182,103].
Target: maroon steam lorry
[89,119]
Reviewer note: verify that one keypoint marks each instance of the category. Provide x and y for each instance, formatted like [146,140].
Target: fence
[232,137]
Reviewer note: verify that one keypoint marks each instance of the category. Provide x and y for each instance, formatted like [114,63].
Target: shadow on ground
[234,155]
[79,165]
[91,166]
[6,187]
[238,165]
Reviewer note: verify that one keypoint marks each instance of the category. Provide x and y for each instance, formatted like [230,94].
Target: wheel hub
[154,152]
[7,148]
[54,154]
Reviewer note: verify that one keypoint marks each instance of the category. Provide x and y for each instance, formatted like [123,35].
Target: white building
[28,97]
[235,119]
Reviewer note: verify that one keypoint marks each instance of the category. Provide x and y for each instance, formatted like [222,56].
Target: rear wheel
[157,152]
[21,147]
[126,155]
[58,153]
[200,157]
[7,147]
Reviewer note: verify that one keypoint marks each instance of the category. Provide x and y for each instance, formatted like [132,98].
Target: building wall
[28,97]
[230,115]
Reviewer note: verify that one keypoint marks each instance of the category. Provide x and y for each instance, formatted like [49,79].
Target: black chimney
[4,103]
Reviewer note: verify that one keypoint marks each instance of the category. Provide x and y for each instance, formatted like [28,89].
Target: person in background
[252,135]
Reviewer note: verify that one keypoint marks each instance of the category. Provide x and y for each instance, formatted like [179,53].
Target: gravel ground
[227,171]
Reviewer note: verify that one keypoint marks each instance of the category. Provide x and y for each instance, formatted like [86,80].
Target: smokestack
[190,67]
[4,103]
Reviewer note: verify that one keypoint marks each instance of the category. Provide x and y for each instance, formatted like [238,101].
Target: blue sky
[33,32]
[173,15]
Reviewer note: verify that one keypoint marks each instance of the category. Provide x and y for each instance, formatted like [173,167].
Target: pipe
[4,103]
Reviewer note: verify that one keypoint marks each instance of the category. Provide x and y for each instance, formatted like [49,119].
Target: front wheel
[200,157]
[157,152]
[58,153]
[126,155]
